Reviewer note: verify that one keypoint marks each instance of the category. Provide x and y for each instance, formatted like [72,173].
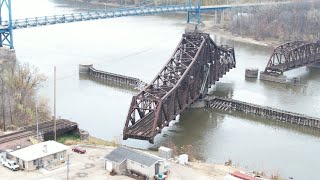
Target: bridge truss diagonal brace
[194,14]
[196,64]
[6,38]
[292,55]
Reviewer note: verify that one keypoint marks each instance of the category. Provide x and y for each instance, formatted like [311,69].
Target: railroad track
[28,131]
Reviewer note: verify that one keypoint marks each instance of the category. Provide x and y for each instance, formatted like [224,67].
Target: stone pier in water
[7,55]
[111,77]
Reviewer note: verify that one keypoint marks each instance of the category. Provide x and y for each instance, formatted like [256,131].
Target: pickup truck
[11,165]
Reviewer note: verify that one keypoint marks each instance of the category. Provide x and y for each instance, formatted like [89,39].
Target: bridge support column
[195,14]
[274,78]
[7,55]
[84,68]
[215,17]
[6,38]
[222,17]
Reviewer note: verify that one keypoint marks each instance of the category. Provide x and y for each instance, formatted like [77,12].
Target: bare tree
[296,21]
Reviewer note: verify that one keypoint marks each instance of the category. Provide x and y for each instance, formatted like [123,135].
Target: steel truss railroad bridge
[196,64]
[293,55]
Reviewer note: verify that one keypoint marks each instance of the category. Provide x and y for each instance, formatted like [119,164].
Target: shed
[124,160]
[165,152]
[40,155]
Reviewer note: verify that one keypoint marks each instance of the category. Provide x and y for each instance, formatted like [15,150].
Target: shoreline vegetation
[211,29]
[19,83]
[74,139]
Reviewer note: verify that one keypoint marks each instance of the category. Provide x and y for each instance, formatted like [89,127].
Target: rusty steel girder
[196,64]
[293,55]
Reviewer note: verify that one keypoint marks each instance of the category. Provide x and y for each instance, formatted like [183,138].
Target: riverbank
[210,27]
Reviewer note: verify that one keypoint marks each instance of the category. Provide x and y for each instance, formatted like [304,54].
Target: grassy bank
[73,139]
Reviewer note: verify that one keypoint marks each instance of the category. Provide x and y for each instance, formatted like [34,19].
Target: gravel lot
[91,166]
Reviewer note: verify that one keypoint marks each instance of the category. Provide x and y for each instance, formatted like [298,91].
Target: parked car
[11,165]
[78,150]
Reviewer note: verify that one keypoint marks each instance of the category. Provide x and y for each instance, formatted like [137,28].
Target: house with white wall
[40,155]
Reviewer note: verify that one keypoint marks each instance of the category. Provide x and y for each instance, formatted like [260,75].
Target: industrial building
[123,160]
[40,155]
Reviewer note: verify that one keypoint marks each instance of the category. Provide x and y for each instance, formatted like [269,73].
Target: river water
[139,47]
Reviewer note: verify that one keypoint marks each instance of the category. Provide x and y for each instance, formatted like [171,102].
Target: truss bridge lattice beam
[293,55]
[196,64]
[88,16]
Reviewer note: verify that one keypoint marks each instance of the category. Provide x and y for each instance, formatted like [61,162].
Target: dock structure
[265,111]
[112,77]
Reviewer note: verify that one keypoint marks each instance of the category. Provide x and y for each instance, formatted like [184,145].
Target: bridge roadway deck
[273,113]
[122,12]
[143,127]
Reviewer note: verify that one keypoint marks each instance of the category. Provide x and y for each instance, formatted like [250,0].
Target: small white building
[165,152]
[123,160]
[3,156]
[40,155]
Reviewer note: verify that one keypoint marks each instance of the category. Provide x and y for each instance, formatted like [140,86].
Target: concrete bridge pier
[217,20]
[215,17]
[7,54]
[274,78]
[192,27]
[222,18]
[84,68]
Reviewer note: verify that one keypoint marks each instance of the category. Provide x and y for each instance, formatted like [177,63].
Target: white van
[11,165]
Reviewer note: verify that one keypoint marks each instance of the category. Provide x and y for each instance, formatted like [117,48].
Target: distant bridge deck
[122,12]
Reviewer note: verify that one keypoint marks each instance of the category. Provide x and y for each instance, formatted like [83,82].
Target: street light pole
[105,7]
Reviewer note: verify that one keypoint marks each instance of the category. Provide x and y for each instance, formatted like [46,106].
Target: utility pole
[37,119]
[3,107]
[54,111]
[68,164]
[199,12]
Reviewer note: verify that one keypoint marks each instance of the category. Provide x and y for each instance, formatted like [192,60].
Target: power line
[118,59]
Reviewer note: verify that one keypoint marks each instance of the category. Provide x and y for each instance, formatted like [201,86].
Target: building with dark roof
[124,160]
